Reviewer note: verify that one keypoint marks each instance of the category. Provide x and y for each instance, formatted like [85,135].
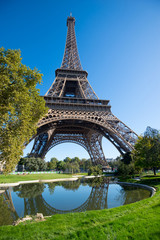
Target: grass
[29,177]
[84,174]
[139,221]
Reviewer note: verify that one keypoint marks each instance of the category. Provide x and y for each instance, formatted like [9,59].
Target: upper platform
[67,72]
[77,104]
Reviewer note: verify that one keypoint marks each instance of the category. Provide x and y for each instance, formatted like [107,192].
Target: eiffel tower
[76,114]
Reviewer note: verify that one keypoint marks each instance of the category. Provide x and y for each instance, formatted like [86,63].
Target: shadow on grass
[151,181]
[156,206]
[155,235]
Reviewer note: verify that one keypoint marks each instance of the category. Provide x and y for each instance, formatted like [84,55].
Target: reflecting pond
[63,197]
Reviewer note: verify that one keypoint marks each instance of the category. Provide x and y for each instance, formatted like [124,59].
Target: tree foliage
[34,164]
[126,158]
[60,165]
[29,190]
[67,159]
[20,106]
[147,150]
[70,165]
[95,170]
[125,169]
[52,164]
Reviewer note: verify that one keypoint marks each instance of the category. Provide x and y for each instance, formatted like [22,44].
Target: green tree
[82,164]
[127,159]
[34,164]
[85,164]
[67,159]
[52,164]
[72,167]
[61,165]
[146,153]
[76,159]
[20,106]
[115,163]
[95,170]
[88,164]
[126,169]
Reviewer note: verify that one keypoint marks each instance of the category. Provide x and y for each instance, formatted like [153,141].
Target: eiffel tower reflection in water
[78,196]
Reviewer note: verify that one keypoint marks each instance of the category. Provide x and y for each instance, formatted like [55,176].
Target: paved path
[73,178]
[37,181]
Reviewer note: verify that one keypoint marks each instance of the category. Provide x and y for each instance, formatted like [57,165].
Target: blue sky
[119,46]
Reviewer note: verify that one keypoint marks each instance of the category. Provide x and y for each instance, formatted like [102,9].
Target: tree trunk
[154,170]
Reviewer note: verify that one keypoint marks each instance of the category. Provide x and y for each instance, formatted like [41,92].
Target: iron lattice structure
[75,112]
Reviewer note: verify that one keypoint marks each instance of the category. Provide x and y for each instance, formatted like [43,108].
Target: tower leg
[94,146]
[42,143]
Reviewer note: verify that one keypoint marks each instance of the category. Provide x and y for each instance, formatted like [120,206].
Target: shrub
[95,170]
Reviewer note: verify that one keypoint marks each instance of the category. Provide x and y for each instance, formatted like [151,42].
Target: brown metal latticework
[71,58]
[75,112]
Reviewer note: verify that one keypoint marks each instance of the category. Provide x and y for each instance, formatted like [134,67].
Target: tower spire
[71,58]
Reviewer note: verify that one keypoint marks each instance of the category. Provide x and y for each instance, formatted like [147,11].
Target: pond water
[64,197]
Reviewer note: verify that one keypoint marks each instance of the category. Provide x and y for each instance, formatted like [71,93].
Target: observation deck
[77,103]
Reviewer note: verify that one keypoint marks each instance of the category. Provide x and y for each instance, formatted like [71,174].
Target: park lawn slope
[140,220]
[29,177]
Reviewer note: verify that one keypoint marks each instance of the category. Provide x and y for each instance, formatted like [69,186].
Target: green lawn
[29,177]
[140,220]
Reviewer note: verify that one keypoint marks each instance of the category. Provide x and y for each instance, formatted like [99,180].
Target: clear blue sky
[119,46]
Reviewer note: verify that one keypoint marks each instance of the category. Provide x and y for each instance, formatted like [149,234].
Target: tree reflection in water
[68,185]
[131,194]
[31,190]
[8,213]
[35,202]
